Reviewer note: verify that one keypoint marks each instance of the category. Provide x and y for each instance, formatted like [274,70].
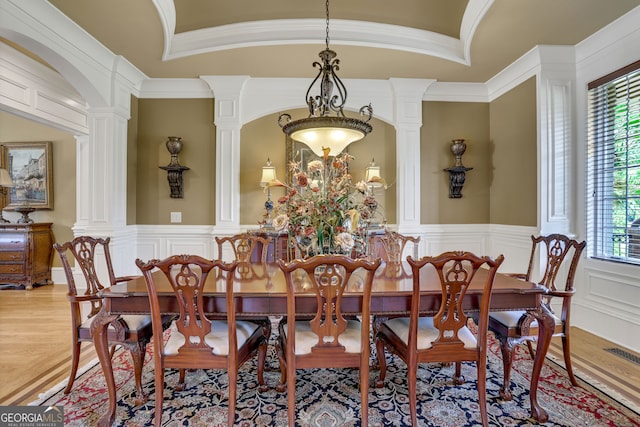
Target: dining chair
[91,255]
[198,340]
[554,256]
[445,336]
[390,246]
[327,339]
[250,251]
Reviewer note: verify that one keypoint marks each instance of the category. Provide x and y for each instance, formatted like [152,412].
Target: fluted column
[227,91]
[408,95]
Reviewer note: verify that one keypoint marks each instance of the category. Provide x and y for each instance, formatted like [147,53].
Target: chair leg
[532,352]
[482,391]
[382,363]
[291,395]
[137,351]
[233,382]
[262,357]
[412,368]
[283,367]
[507,347]
[181,381]
[75,359]
[364,394]
[457,377]
[566,349]
[159,384]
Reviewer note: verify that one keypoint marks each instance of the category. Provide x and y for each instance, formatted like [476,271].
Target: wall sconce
[174,168]
[457,173]
[268,175]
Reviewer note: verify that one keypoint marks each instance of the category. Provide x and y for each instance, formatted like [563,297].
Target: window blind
[613,166]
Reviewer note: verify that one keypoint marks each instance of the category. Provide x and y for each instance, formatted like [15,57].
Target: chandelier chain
[327,36]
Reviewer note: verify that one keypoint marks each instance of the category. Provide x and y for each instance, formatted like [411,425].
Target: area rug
[330,397]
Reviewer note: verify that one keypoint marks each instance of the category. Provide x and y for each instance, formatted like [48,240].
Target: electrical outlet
[176,217]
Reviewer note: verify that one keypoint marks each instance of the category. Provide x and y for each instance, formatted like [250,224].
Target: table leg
[100,333]
[545,332]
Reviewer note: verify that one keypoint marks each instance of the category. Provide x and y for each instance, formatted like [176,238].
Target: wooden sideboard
[26,253]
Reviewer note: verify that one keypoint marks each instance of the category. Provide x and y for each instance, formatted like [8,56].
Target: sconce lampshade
[268,174]
[5,178]
[372,175]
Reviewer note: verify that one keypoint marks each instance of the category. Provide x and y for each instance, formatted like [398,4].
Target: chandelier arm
[341,97]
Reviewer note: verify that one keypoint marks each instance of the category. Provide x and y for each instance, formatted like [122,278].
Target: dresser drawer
[12,241]
[11,268]
[11,256]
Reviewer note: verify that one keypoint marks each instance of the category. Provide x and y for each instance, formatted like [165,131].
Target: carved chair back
[248,250]
[558,255]
[455,270]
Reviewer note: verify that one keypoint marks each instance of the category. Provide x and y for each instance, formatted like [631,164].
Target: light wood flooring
[35,348]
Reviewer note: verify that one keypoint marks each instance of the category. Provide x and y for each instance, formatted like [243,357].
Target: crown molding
[305,31]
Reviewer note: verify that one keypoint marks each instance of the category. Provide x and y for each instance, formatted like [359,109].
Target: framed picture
[29,165]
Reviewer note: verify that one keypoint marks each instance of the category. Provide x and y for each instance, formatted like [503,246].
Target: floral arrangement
[323,209]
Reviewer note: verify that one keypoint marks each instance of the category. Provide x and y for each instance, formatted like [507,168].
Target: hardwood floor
[36,349]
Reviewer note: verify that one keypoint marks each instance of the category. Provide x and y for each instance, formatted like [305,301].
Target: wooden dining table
[260,289]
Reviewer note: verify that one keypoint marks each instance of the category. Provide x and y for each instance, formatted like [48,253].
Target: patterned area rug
[330,397]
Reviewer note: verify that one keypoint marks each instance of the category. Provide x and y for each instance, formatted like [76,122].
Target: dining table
[260,290]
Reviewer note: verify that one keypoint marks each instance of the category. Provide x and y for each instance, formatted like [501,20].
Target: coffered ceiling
[447,40]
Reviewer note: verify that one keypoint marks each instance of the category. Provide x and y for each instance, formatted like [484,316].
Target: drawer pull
[16,241]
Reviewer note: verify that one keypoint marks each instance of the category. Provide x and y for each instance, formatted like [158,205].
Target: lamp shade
[5,178]
[372,175]
[268,174]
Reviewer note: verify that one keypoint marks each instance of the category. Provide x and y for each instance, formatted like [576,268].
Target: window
[613,166]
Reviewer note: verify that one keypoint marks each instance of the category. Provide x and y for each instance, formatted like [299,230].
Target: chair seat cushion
[306,338]
[217,339]
[427,332]
[135,322]
[510,319]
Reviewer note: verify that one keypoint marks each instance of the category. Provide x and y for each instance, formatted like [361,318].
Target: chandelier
[322,130]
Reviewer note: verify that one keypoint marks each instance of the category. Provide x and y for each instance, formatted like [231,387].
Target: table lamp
[5,182]
[372,175]
[268,175]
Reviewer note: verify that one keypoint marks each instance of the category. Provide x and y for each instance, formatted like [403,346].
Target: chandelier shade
[327,126]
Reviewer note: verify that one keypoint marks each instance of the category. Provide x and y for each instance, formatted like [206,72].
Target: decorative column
[556,158]
[408,95]
[227,91]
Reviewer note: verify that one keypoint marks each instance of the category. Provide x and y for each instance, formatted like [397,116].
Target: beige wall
[443,122]
[513,144]
[191,119]
[63,214]
[263,138]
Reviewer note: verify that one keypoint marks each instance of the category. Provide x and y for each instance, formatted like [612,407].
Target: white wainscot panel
[442,238]
[200,247]
[618,294]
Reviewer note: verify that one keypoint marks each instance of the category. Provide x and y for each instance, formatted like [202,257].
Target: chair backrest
[188,275]
[327,277]
[554,252]
[90,255]
[249,250]
[390,246]
[455,270]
